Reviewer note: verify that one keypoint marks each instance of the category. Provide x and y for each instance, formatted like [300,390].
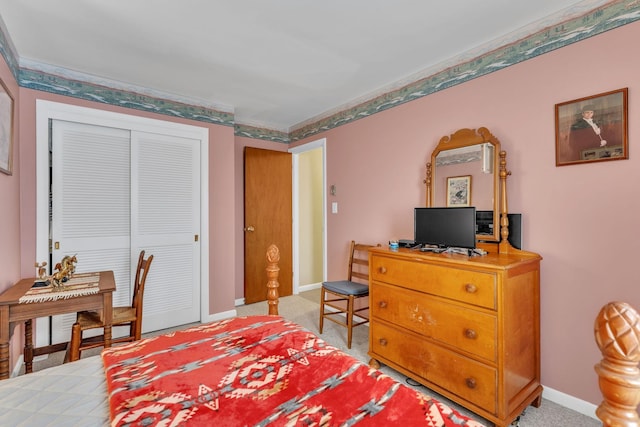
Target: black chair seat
[346,287]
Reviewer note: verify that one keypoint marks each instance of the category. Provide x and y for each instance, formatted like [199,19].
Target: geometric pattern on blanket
[257,371]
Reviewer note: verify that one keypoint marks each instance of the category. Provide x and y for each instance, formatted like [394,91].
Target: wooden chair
[122,316]
[338,298]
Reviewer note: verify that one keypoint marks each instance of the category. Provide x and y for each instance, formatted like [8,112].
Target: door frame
[49,110]
[296,151]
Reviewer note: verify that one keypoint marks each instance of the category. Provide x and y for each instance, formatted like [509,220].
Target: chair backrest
[138,289]
[359,262]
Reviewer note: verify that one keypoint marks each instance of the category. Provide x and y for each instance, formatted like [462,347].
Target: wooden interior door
[268,219]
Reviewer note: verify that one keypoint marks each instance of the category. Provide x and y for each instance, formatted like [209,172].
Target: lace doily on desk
[79,285]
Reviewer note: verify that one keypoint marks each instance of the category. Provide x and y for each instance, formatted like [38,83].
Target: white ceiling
[275,64]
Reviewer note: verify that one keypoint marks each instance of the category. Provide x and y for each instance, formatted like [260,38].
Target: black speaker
[484,225]
[515,230]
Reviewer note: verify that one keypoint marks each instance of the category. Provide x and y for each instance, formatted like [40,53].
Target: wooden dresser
[465,327]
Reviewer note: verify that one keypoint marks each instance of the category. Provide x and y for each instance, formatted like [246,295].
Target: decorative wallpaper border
[38,80]
[607,17]
[595,22]
[261,133]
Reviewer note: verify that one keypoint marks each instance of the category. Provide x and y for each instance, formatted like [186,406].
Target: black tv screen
[445,227]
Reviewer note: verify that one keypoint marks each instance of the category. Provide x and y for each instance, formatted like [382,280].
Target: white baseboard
[571,402]
[304,288]
[18,366]
[220,316]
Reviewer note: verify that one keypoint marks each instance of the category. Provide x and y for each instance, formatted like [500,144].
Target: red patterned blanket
[257,371]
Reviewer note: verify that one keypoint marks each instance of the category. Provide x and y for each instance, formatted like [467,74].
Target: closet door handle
[250,229]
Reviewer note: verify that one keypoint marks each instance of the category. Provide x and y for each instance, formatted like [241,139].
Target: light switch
[334,207]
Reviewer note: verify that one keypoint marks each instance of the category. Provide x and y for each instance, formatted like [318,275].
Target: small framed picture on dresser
[459,191]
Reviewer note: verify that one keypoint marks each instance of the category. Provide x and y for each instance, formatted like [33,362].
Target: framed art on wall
[459,191]
[6,130]
[592,129]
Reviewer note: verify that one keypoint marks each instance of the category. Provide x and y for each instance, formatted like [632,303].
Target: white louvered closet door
[116,192]
[165,221]
[91,206]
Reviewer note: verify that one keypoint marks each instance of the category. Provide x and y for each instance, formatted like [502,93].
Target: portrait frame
[459,191]
[604,138]
[6,130]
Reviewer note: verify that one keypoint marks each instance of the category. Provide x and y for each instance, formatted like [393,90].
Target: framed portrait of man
[6,130]
[592,129]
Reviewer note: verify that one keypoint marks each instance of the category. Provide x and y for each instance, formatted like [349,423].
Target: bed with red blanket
[245,371]
[257,371]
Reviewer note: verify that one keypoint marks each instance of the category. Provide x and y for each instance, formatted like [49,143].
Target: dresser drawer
[467,329]
[464,377]
[468,286]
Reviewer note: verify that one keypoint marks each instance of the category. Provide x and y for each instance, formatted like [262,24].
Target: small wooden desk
[12,312]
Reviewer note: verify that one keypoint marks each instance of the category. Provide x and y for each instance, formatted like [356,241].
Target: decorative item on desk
[41,272]
[394,245]
[65,268]
[41,275]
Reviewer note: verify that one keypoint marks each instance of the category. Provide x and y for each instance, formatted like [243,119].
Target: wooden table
[12,312]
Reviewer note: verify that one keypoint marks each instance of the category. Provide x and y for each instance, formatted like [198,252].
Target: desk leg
[28,346]
[107,336]
[107,304]
[4,342]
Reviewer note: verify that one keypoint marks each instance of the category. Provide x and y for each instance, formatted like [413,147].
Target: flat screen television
[445,227]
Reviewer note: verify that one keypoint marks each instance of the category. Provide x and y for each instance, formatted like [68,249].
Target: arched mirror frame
[467,138]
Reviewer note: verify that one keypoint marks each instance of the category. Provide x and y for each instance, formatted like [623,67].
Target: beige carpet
[303,309]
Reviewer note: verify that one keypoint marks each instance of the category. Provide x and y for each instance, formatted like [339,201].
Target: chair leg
[321,308]
[73,349]
[349,314]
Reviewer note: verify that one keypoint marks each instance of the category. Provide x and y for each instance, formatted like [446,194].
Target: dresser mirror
[464,171]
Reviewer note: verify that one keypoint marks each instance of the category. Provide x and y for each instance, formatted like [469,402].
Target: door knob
[249,228]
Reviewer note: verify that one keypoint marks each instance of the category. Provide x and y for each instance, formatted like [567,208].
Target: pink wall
[9,212]
[583,219]
[221,194]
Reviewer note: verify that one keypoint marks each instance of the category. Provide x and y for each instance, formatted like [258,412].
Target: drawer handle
[470,333]
[471,288]
[382,304]
[382,270]
[471,382]
[383,342]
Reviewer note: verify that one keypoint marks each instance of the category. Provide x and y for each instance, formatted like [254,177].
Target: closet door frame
[49,110]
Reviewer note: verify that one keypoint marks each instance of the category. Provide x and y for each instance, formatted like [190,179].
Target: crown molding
[586,19]
[596,21]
